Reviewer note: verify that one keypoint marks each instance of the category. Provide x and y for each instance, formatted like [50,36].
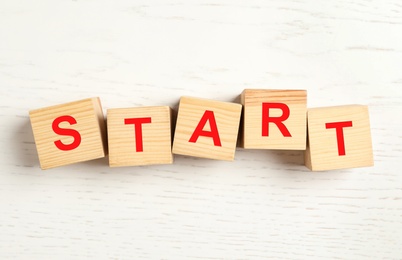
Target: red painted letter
[62,131]
[208,116]
[137,122]
[266,119]
[339,134]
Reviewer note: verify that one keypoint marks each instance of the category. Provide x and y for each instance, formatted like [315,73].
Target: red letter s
[70,132]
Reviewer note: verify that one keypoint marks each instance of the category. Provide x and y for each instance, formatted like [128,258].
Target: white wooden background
[265,204]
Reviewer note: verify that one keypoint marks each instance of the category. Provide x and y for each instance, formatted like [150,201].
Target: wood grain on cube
[253,137]
[90,125]
[325,150]
[227,117]
[156,134]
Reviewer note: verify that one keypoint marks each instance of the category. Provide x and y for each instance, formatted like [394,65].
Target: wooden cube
[207,128]
[69,133]
[338,137]
[139,136]
[274,119]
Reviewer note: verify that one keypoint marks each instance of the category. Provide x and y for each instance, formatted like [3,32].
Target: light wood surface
[223,124]
[287,134]
[155,136]
[265,204]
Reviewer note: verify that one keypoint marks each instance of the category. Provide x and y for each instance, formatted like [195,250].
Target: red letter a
[208,116]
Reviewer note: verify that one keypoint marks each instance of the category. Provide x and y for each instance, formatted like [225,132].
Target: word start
[332,137]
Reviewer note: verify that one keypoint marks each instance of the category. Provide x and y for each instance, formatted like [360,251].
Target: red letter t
[137,122]
[339,134]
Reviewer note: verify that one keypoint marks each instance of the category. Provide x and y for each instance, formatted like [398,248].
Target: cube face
[139,136]
[274,119]
[338,137]
[69,133]
[211,117]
